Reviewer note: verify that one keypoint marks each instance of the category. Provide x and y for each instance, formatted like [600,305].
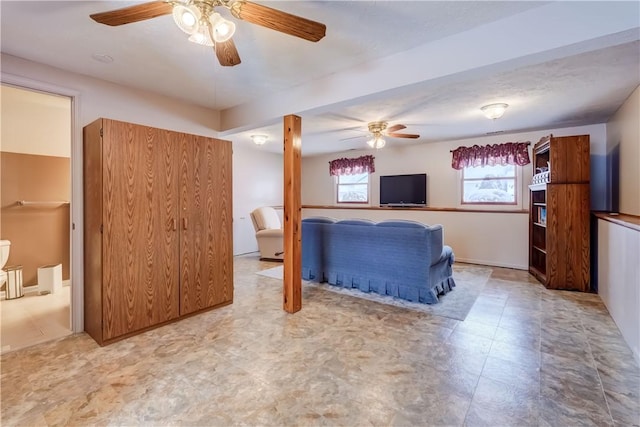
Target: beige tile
[340,361]
[34,319]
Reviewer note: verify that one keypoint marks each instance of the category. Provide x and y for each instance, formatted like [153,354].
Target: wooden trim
[624,220]
[92,191]
[337,188]
[386,208]
[515,186]
[292,279]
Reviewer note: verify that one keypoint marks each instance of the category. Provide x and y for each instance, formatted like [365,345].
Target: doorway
[35,217]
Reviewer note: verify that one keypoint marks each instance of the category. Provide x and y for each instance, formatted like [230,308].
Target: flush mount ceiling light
[494,111]
[259,139]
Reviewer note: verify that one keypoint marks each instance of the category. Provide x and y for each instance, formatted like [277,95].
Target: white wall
[434,159]
[257,176]
[99,98]
[478,238]
[623,134]
[35,123]
[257,181]
[499,239]
[618,246]
[619,278]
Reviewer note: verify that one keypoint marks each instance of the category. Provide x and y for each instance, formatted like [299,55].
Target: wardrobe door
[206,278]
[140,237]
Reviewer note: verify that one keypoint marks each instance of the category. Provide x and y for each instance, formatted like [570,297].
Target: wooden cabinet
[157,227]
[559,214]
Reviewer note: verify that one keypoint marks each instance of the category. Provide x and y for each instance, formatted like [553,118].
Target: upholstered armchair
[269,233]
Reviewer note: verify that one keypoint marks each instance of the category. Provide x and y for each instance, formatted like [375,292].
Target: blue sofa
[404,259]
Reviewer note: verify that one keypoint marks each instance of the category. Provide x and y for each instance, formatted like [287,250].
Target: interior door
[206,249]
[140,236]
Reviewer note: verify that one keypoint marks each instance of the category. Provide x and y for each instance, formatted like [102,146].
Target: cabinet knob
[174,224]
[184,223]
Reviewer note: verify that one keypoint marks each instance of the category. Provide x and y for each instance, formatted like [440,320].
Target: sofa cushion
[270,232]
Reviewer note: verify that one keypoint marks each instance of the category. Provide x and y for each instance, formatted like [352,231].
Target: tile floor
[34,319]
[523,356]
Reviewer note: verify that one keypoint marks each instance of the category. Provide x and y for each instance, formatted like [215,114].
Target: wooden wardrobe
[157,227]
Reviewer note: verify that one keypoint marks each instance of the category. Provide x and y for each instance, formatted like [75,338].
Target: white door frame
[76,226]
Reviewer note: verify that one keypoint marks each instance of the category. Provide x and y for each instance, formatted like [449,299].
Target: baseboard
[247,254]
[492,263]
[30,289]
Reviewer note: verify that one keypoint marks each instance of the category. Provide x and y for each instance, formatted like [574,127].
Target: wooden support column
[292,215]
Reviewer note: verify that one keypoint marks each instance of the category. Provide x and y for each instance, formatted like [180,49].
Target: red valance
[509,153]
[352,166]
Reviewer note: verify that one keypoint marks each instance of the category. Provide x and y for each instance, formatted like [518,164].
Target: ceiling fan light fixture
[201,37]
[377,142]
[222,29]
[494,111]
[259,139]
[186,18]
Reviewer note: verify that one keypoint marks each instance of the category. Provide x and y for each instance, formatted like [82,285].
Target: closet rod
[43,203]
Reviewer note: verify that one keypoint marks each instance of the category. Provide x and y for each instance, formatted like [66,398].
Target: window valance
[509,153]
[352,166]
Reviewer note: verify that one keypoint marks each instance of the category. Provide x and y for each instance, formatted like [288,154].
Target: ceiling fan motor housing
[377,127]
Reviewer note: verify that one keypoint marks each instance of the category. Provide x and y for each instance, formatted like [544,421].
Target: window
[489,185]
[353,188]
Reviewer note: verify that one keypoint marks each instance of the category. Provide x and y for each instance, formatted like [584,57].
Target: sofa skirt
[427,295]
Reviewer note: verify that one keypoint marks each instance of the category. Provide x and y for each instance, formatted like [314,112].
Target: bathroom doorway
[35,217]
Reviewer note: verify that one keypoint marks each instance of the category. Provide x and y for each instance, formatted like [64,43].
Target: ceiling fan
[205,26]
[379,129]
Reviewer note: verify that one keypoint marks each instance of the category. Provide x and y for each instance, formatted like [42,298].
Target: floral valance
[352,166]
[509,153]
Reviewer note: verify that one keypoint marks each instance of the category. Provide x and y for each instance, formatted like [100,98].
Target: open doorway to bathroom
[35,194]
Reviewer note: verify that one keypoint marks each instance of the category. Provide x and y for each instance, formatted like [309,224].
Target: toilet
[5,245]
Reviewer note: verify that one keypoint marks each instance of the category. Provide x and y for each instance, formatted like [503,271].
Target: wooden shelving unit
[559,214]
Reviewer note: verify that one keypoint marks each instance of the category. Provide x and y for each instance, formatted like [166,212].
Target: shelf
[544,251]
[559,221]
[538,187]
[539,274]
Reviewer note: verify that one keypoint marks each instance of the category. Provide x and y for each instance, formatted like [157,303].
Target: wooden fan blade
[403,135]
[138,12]
[395,128]
[227,53]
[279,20]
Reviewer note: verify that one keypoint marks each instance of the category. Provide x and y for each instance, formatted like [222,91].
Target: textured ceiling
[407,59]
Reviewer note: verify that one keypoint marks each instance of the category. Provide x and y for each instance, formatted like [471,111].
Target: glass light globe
[377,142]
[494,111]
[223,29]
[186,18]
[259,139]
[201,37]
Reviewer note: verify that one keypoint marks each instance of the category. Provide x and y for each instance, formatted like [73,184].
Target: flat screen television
[403,190]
